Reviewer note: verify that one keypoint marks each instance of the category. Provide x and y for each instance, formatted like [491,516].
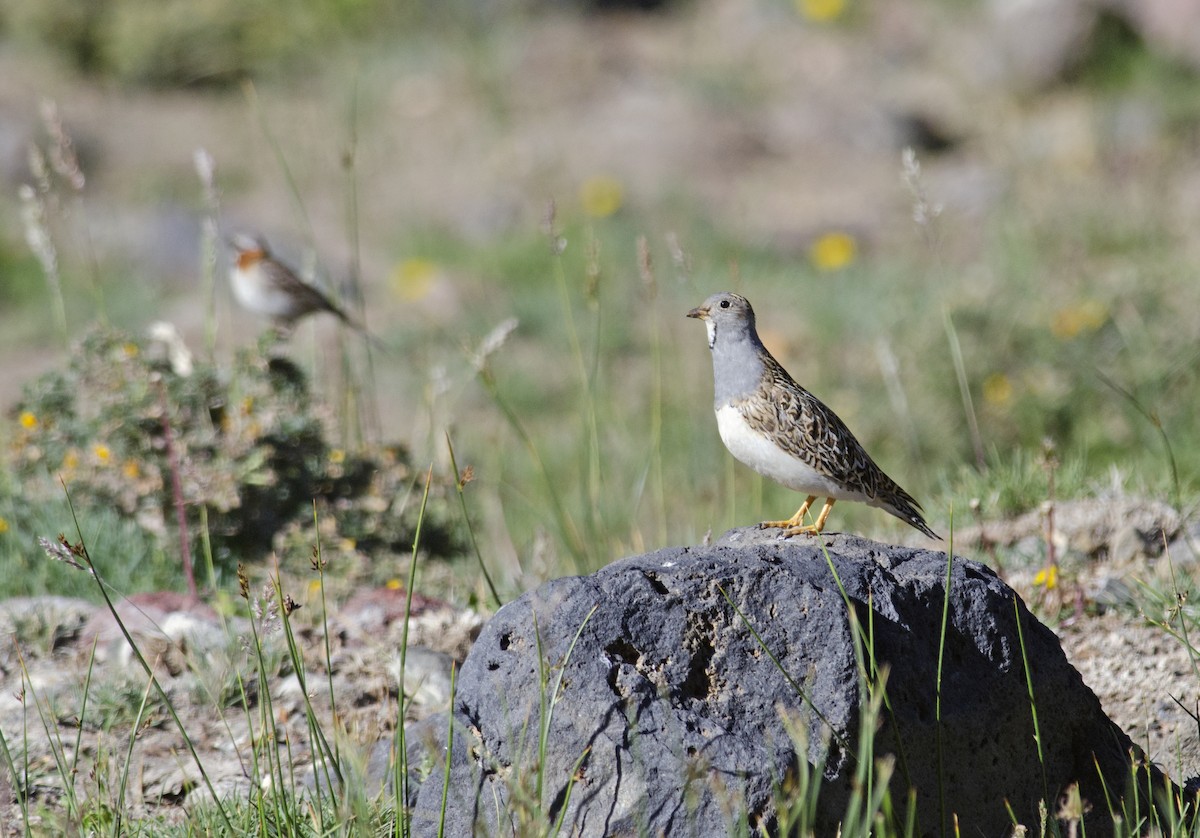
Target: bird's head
[250,250]
[724,311]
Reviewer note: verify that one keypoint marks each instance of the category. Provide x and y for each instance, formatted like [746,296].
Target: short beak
[700,313]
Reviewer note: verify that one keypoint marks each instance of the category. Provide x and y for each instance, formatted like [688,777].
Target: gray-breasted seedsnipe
[782,431]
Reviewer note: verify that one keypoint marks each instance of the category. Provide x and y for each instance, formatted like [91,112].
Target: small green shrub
[127,434]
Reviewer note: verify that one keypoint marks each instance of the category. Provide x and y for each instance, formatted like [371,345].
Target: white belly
[769,460]
[253,291]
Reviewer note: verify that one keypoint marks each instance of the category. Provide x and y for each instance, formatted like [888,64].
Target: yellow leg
[794,521]
[813,529]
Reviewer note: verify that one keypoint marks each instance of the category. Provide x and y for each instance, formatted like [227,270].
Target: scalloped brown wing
[803,426]
[819,438]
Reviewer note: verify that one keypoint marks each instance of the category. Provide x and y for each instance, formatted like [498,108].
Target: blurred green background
[1025,278]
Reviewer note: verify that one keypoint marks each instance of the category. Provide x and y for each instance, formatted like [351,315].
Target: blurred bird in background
[266,286]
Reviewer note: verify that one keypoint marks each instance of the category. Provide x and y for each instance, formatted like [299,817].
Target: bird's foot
[807,529]
[793,522]
[790,528]
[793,526]
[778,525]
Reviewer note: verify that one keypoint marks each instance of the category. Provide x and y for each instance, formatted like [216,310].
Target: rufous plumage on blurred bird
[265,286]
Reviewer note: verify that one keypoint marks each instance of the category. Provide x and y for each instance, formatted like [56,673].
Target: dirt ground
[1144,678]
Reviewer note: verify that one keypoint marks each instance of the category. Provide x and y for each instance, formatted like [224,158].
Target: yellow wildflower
[131,469]
[1064,325]
[601,196]
[1071,321]
[71,460]
[394,585]
[314,587]
[130,350]
[1047,577]
[821,11]
[833,250]
[101,452]
[997,389]
[1093,313]
[28,421]
[3,526]
[337,456]
[413,279]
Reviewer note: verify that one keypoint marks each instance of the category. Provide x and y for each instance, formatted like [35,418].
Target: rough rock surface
[670,714]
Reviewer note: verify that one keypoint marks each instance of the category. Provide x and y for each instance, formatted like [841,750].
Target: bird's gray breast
[737,368]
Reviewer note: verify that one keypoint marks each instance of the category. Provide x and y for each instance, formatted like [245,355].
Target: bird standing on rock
[265,286]
[782,431]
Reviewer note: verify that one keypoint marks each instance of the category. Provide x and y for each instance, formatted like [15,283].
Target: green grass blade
[449,754]
[460,485]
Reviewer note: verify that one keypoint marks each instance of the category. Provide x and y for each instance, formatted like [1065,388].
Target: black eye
[724,303]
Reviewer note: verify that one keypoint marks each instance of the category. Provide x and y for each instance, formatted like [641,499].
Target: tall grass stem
[402,789]
[1037,731]
[460,486]
[964,390]
[85,556]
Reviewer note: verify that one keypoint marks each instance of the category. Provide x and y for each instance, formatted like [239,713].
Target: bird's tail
[353,322]
[901,504]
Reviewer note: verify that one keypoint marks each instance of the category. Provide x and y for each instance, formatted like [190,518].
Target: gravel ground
[1144,677]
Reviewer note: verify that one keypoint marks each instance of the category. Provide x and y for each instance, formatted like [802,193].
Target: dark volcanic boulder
[670,716]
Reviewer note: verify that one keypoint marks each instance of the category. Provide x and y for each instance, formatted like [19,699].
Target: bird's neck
[737,366]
